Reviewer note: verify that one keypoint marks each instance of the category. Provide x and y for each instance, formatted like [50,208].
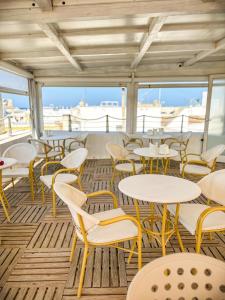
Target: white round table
[8,162]
[157,137]
[161,189]
[147,152]
[63,137]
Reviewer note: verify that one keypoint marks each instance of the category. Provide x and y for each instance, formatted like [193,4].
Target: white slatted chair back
[75,199]
[24,153]
[75,159]
[41,147]
[213,186]
[213,153]
[117,152]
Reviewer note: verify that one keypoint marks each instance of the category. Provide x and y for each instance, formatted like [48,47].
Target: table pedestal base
[169,226]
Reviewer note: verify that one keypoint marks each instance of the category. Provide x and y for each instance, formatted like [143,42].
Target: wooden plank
[114,9]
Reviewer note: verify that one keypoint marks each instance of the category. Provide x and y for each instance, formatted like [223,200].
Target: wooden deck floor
[35,247]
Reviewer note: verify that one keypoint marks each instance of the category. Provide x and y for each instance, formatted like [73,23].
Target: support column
[36,108]
[2,125]
[131,112]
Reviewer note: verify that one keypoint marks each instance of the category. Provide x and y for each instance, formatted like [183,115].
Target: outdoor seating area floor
[35,246]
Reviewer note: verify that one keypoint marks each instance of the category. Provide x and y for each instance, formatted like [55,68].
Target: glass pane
[216,131]
[14,115]
[84,108]
[174,109]
[13,81]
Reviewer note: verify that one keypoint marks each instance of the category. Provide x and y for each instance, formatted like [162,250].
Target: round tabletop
[147,152]
[162,136]
[8,162]
[55,137]
[156,188]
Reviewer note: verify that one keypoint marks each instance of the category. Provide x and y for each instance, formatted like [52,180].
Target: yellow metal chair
[121,161]
[201,219]
[25,155]
[106,228]
[45,151]
[70,173]
[203,165]
[179,276]
[180,144]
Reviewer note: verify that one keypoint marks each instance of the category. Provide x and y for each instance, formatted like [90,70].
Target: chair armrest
[121,218]
[205,213]
[104,192]
[47,164]
[64,170]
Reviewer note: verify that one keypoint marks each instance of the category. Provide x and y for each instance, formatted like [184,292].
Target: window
[175,109]
[14,105]
[14,114]
[13,81]
[84,108]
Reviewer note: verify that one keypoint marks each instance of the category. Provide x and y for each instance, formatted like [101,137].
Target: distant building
[109,103]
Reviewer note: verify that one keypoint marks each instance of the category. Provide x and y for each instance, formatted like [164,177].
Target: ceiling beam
[15,69]
[44,5]
[218,46]
[154,8]
[154,27]
[108,50]
[118,30]
[51,32]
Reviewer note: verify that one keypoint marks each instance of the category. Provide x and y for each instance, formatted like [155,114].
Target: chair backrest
[185,137]
[179,276]
[24,153]
[213,153]
[41,147]
[213,186]
[75,199]
[116,151]
[75,159]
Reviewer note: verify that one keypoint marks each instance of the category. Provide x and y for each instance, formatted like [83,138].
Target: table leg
[163,230]
[151,165]
[177,229]
[3,198]
[166,165]
[137,209]
[152,213]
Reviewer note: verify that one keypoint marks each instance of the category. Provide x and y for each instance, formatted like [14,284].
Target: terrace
[134,49]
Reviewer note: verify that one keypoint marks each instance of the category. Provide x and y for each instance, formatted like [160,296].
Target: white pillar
[131,113]
[36,108]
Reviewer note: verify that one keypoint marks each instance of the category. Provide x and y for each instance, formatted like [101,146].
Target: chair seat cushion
[195,169]
[189,214]
[15,172]
[66,178]
[127,167]
[49,155]
[114,232]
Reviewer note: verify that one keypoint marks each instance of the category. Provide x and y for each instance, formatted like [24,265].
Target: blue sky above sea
[71,96]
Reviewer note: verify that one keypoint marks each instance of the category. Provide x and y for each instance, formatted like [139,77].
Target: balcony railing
[10,125]
[107,123]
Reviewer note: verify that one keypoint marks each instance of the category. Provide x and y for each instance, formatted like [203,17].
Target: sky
[70,96]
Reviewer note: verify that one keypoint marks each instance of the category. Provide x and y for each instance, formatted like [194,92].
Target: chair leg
[113,178]
[198,242]
[53,202]
[31,179]
[79,183]
[4,208]
[139,246]
[132,250]
[43,193]
[82,271]
[73,246]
